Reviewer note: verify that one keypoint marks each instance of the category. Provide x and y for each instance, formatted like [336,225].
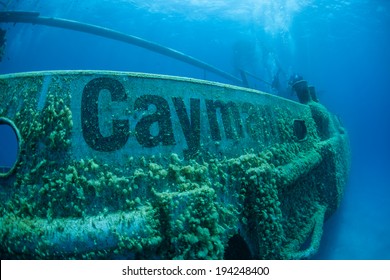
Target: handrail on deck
[35,18]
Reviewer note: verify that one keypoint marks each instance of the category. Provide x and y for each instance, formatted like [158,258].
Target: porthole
[237,249]
[300,130]
[9,147]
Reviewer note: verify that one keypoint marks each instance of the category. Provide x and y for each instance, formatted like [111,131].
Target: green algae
[164,206]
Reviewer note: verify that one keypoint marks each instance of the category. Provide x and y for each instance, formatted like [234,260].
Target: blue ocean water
[341,47]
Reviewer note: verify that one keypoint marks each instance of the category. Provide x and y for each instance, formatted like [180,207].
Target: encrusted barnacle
[157,201]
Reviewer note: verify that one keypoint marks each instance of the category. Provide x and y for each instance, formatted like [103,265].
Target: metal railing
[35,18]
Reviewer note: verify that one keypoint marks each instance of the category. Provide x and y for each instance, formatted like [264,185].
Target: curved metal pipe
[35,18]
[68,236]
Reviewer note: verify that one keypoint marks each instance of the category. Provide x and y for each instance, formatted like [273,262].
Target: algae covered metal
[128,165]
